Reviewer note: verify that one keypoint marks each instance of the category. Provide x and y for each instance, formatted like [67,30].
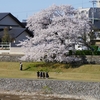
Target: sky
[22,9]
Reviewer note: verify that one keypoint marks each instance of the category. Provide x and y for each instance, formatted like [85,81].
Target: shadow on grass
[27,68]
[84,60]
[77,64]
[57,66]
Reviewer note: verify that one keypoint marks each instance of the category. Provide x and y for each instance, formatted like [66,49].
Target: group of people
[43,74]
[40,74]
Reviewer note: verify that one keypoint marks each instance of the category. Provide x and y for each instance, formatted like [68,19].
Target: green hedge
[97,53]
[94,50]
[87,52]
[94,47]
[84,52]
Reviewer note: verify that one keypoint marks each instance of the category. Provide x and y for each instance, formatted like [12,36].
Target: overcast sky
[22,9]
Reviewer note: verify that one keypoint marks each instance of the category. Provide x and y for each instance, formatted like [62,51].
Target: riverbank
[12,95]
[32,97]
[51,88]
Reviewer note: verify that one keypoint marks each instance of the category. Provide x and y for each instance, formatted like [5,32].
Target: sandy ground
[31,97]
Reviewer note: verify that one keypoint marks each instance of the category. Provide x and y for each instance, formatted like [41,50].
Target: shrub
[94,47]
[96,53]
[83,52]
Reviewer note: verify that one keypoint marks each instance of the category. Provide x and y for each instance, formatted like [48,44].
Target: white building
[93,13]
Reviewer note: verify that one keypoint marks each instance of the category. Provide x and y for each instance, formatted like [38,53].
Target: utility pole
[98,3]
[93,2]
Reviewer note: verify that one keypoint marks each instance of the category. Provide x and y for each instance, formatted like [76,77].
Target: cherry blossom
[56,31]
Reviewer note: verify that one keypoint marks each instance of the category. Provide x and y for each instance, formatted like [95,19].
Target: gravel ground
[49,88]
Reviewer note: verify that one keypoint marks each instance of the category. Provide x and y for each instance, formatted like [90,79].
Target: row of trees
[56,30]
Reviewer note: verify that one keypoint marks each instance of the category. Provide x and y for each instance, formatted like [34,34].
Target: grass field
[56,71]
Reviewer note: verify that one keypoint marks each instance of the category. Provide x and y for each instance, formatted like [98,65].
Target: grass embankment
[56,71]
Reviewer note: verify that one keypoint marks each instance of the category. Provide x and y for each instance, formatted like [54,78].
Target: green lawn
[56,71]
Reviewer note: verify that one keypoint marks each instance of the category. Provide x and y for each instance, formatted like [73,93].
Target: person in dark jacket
[47,75]
[43,74]
[38,74]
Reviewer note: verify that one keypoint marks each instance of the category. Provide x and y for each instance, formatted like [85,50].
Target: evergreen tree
[6,36]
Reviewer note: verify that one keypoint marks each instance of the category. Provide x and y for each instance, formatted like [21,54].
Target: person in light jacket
[21,66]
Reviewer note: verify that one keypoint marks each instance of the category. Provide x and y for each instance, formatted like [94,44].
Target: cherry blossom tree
[56,31]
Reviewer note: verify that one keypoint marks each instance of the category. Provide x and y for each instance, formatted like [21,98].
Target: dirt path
[30,97]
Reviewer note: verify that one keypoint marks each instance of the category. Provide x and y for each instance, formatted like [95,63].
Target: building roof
[15,32]
[3,15]
[1,29]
